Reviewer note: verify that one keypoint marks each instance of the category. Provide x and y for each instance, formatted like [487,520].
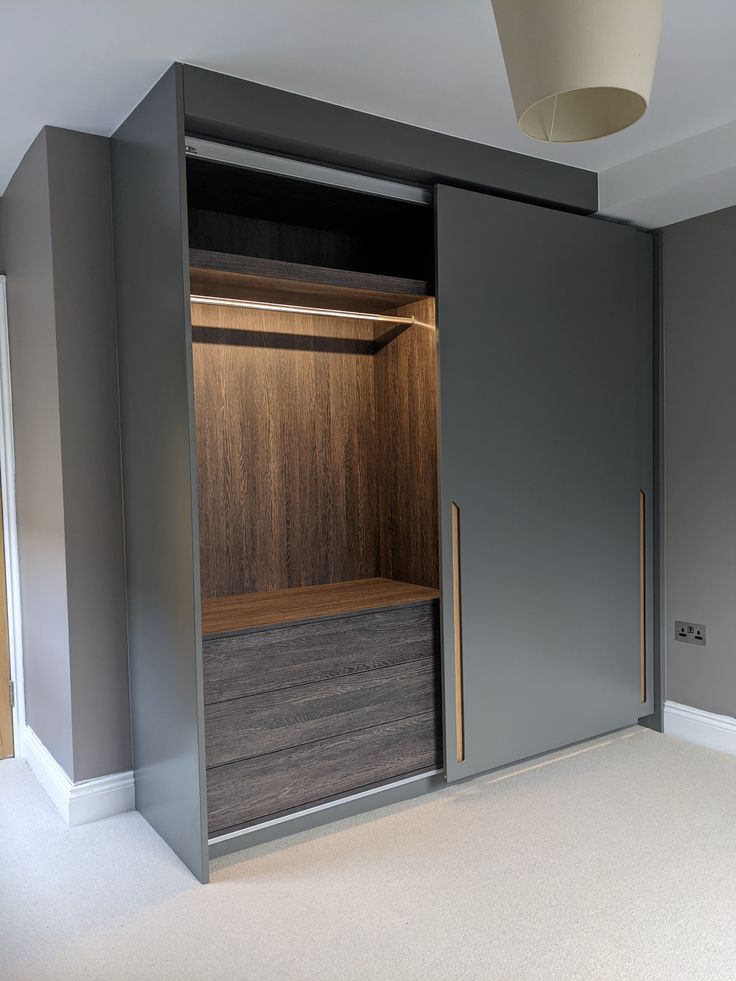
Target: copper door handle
[458,636]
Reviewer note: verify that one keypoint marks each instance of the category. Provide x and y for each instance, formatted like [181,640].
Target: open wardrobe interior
[315,404]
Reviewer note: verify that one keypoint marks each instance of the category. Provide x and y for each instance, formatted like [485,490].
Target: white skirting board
[704,728]
[84,801]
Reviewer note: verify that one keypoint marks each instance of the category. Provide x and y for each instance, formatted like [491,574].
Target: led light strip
[286,308]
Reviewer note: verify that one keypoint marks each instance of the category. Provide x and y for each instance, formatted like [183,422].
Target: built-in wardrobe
[388,460]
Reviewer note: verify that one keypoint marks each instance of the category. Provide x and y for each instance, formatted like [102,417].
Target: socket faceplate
[690,633]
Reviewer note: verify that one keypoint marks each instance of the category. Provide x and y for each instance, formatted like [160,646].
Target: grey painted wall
[2,248]
[58,242]
[84,290]
[39,496]
[699,300]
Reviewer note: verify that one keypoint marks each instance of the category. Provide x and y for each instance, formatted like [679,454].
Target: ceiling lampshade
[578,69]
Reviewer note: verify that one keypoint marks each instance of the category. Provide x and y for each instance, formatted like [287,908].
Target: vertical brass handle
[642,597]
[458,636]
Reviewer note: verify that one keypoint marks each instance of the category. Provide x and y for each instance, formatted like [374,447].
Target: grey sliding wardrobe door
[540,481]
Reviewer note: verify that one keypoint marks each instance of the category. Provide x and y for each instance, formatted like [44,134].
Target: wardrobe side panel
[154,336]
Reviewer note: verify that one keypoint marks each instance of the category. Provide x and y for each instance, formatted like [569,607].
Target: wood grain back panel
[285,431]
[406,409]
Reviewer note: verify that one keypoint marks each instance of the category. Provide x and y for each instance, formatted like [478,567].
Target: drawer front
[256,724]
[265,785]
[319,650]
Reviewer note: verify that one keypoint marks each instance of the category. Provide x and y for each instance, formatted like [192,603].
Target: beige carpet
[615,861]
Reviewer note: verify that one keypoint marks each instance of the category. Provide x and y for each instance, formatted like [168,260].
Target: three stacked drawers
[297,713]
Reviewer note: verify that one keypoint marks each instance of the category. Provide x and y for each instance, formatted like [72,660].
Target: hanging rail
[313,311]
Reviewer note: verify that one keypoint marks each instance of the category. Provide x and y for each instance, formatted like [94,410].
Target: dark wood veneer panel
[250,789]
[249,213]
[242,728]
[226,614]
[273,281]
[320,650]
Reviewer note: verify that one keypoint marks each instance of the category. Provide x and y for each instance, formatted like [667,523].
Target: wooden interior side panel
[406,408]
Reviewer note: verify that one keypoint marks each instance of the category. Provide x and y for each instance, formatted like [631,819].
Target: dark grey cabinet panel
[267,660]
[232,109]
[258,724]
[250,789]
[538,391]
[162,556]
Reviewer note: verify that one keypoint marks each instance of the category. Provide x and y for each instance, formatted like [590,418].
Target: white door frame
[10,525]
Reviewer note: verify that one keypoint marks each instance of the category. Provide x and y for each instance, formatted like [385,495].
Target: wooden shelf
[241,277]
[228,614]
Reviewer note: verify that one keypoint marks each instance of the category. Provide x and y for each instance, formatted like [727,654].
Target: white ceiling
[84,64]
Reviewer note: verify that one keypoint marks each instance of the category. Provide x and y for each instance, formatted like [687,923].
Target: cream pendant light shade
[578,69]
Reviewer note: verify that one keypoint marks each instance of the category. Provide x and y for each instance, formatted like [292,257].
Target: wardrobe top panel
[223,107]
[229,614]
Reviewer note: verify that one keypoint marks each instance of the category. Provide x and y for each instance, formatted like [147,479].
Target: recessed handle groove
[458,636]
[642,596]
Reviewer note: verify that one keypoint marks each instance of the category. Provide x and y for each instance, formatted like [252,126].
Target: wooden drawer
[266,785]
[319,650]
[256,724]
